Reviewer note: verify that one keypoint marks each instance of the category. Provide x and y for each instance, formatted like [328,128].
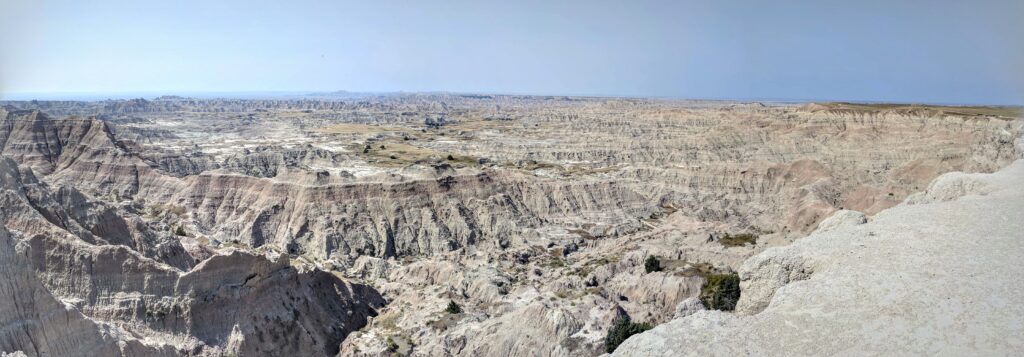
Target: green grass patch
[621,330]
[721,291]
[738,240]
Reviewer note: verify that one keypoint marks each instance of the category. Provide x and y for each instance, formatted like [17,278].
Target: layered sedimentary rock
[35,323]
[222,226]
[84,278]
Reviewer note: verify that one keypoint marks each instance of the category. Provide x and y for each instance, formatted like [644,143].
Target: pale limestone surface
[935,278]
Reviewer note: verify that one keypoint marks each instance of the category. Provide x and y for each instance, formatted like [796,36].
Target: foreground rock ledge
[937,275]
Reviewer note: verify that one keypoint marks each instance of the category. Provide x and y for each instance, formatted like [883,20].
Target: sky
[940,51]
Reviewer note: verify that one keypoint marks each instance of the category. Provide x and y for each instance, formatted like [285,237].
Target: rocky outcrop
[34,322]
[235,302]
[688,307]
[770,173]
[937,277]
[420,217]
[423,217]
[77,152]
[31,206]
[535,214]
[949,187]
[88,278]
[840,219]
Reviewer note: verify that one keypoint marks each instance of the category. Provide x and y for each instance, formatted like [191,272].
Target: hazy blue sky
[922,51]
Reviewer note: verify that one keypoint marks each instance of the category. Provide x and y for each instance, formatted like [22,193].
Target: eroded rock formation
[935,277]
[83,278]
[345,226]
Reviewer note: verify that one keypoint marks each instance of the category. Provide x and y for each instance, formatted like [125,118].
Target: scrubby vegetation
[621,330]
[453,308]
[721,291]
[652,264]
[697,269]
[738,240]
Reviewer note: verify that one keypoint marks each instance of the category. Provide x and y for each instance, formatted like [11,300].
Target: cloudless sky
[941,51]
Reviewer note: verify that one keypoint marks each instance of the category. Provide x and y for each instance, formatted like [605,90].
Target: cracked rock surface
[929,278]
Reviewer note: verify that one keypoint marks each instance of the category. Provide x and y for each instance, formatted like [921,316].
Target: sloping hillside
[936,275]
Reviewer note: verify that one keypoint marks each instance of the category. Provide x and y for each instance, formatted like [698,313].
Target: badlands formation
[346,226]
[936,276]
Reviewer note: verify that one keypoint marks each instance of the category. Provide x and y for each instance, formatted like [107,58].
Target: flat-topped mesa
[421,217]
[915,110]
[780,170]
[373,218]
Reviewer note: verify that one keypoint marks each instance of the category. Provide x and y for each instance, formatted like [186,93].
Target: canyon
[344,226]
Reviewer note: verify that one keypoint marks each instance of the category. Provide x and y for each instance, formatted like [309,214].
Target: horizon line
[92,96]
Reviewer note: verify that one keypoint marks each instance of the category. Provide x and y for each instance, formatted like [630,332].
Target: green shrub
[178,230]
[652,264]
[453,308]
[621,330]
[738,240]
[721,291]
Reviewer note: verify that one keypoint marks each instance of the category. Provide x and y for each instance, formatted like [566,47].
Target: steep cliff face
[936,275]
[219,226]
[31,206]
[344,221]
[417,218]
[87,278]
[236,302]
[35,322]
[765,174]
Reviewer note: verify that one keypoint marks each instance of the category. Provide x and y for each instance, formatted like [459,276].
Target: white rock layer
[941,277]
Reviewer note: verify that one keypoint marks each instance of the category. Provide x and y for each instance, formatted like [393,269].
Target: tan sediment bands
[537,224]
